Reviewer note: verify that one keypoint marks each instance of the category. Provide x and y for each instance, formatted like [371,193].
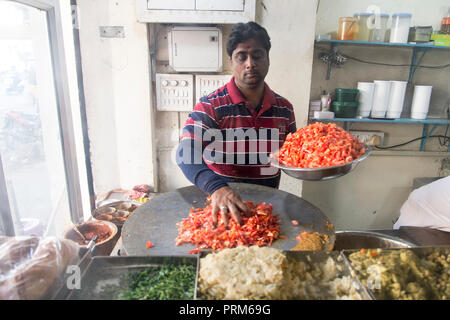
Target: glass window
[30,138]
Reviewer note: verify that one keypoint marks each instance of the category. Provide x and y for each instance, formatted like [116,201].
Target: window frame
[62,93]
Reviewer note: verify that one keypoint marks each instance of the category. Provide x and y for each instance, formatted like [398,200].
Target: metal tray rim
[147,261]
[274,161]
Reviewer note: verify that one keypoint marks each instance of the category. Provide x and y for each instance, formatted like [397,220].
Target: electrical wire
[446,141]
[397,65]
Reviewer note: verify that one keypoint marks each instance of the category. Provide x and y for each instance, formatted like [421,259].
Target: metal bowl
[114,209]
[355,240]
[320,174]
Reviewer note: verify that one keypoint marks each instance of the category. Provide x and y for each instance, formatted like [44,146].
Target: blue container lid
[371,14]
[402,15]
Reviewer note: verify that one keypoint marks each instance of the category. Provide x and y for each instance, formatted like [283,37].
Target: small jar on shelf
[445,25]
[348,27]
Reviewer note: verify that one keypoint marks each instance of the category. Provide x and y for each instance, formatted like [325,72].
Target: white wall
[116,82]
[290,24]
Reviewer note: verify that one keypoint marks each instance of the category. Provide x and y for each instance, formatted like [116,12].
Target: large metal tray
[320,174]
[315,257]
[157,219]
[421,252]
[102,271]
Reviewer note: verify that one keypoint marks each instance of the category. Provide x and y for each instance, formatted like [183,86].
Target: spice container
[400,27]
[348,27]
[325,101]
[445,26]
[420,34]
[364,24]
[379,28]
[314,105]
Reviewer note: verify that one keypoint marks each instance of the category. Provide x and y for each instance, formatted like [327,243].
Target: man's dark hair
[242,32]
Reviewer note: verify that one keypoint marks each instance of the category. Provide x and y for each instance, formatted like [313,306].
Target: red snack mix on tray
[320,145]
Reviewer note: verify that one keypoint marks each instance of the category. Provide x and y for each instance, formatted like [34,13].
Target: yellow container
[348,27]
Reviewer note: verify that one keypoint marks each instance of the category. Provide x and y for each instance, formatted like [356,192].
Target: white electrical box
[195,49]
[174,92]
[196,11]
[171,4]
[205,84]
[220,5]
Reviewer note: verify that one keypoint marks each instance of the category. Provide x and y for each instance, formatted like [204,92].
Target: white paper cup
[396,99]
[421,102]
[380,98]
[365,98]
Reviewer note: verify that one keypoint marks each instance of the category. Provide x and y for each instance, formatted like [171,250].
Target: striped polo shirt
[235,137]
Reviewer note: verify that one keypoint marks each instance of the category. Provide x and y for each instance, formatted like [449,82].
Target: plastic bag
[30,265]
[428,206]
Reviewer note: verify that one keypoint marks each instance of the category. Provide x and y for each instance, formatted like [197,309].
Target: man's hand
[227,201]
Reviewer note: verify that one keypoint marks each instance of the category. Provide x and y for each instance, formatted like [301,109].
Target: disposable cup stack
[365,98]
[421,102]
[396,99]
[381,96]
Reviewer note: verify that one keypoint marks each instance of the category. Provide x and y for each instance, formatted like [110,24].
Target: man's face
[249,63]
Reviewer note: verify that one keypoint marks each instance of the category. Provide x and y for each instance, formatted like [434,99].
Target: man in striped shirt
[230,133]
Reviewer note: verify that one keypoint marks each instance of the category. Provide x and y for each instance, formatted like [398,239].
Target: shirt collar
[237,97]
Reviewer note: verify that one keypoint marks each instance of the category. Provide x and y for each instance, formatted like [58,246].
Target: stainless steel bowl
[355,240]
[320,174]
[110,208]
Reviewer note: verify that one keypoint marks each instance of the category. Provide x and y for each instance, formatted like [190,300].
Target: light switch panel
[205,84]
[174,92]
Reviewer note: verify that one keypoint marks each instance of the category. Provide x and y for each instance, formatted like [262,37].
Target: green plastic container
[346,95]
[345,109]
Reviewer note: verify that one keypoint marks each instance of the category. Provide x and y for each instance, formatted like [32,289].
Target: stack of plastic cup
[396,99]
[421,102]
[380,98]
[365,98]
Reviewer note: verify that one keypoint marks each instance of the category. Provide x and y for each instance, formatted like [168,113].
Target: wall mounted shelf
[418,51]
